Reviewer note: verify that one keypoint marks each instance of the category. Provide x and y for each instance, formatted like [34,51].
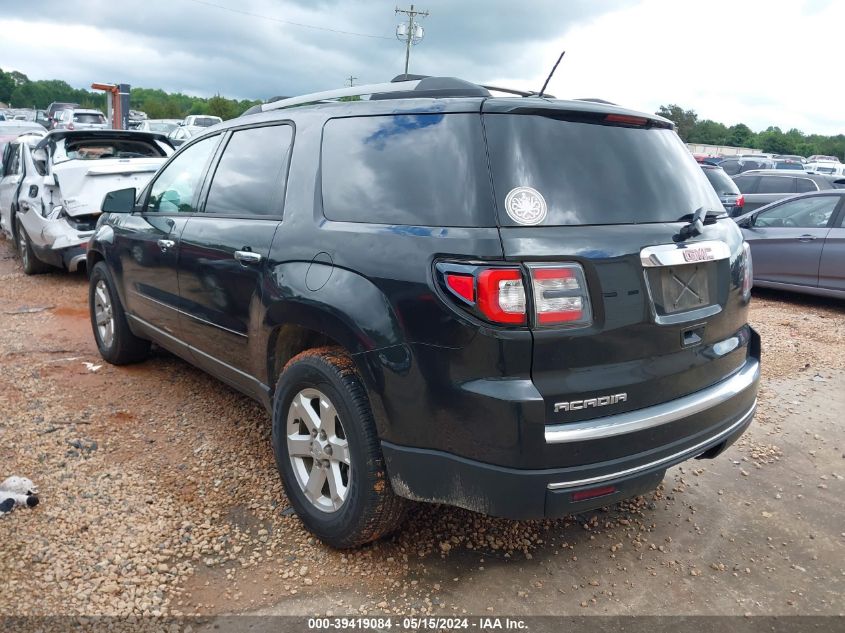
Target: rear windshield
[789,165]
[721,182]
[409,169]
[89,118]
[205,121]
[595,174]
[99,148]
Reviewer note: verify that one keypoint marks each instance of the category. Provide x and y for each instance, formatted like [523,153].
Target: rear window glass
[595,174]
[721,182]
[204,121]
[411,169]
[730,167]
[89,118]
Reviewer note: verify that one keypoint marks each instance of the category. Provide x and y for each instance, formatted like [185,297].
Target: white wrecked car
[52,188]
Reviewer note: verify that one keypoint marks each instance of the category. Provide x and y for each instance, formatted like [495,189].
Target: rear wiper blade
[697,220]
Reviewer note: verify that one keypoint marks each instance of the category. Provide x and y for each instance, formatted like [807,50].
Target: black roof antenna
[554,68]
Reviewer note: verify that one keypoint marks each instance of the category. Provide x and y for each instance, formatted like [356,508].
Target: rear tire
[116,342]
[29,260]
[327,451]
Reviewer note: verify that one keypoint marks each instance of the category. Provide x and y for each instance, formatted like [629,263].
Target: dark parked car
[435,301]
[764,186]
[734,166]
[725,188]
[799,243]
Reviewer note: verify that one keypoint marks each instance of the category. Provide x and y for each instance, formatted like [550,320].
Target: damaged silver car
[52,188]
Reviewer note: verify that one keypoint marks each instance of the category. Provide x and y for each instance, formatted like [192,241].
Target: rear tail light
[560,295]
[740,201]
[501,295]
[747,271]
[498,294]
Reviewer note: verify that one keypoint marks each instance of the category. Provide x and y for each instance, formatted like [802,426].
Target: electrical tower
[351,80]
[412,33]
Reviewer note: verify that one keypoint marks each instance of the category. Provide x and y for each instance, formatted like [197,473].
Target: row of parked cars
[794,222]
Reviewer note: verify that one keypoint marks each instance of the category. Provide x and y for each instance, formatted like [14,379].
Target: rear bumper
[517,493]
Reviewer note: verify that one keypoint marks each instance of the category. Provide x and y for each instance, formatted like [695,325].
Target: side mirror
[120,201]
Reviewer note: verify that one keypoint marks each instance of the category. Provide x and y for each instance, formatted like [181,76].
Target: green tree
[685,120]
[709,132]
[740,135]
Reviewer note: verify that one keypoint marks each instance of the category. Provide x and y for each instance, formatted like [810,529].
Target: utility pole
[351,80]
[409,36]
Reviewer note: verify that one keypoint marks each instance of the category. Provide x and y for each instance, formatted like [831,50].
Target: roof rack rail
[418,88]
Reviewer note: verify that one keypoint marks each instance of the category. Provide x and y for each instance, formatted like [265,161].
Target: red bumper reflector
[592,493]
[462,285]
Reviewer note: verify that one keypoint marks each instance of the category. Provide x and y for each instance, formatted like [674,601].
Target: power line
[351,80]
[280,21]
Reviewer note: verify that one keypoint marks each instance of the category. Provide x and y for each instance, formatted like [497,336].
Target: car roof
[420,95]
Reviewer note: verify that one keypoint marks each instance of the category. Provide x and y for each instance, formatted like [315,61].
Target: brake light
[740,201]
[626,119]
[501,295]
[560,295]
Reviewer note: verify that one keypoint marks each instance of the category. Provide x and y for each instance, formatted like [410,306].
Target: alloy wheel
[318,450]
[23,247]
[103,316]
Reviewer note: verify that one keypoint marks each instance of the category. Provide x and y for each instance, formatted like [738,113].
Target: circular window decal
[525,205]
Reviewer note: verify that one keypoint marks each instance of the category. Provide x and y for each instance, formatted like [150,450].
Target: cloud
[758,62]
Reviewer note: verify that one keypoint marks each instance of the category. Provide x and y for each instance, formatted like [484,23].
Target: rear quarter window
[407,169]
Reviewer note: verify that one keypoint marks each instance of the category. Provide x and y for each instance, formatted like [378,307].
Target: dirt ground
[159,495]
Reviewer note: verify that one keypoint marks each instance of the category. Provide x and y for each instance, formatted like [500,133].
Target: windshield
[163,128]
[595,174]
[205,121]
[721,182]
[99,148]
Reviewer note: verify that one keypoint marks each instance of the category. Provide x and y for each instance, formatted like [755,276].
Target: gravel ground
[159,493]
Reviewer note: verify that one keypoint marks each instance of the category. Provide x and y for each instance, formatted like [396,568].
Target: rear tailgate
[664,319]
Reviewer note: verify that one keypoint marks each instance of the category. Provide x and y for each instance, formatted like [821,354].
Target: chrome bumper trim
[675,458]
[664,413]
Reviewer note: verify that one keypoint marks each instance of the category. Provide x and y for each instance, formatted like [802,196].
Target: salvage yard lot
[159,495]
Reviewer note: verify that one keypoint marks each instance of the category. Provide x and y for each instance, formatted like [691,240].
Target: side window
[250,177]
[805,184]
[14,164]
[408,169]
[747,184]
[175,188]
[813,212]
[776,184]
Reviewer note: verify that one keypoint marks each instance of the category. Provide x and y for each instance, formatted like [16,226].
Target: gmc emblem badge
[698,254]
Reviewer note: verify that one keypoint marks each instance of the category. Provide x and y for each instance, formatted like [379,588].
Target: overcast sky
[756,62]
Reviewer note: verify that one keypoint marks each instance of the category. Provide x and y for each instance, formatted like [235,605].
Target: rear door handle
[165,244]
[806,238]
[247,257]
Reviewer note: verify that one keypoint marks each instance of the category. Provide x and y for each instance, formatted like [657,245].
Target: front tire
[29,260]
[327,451]
[116,342]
